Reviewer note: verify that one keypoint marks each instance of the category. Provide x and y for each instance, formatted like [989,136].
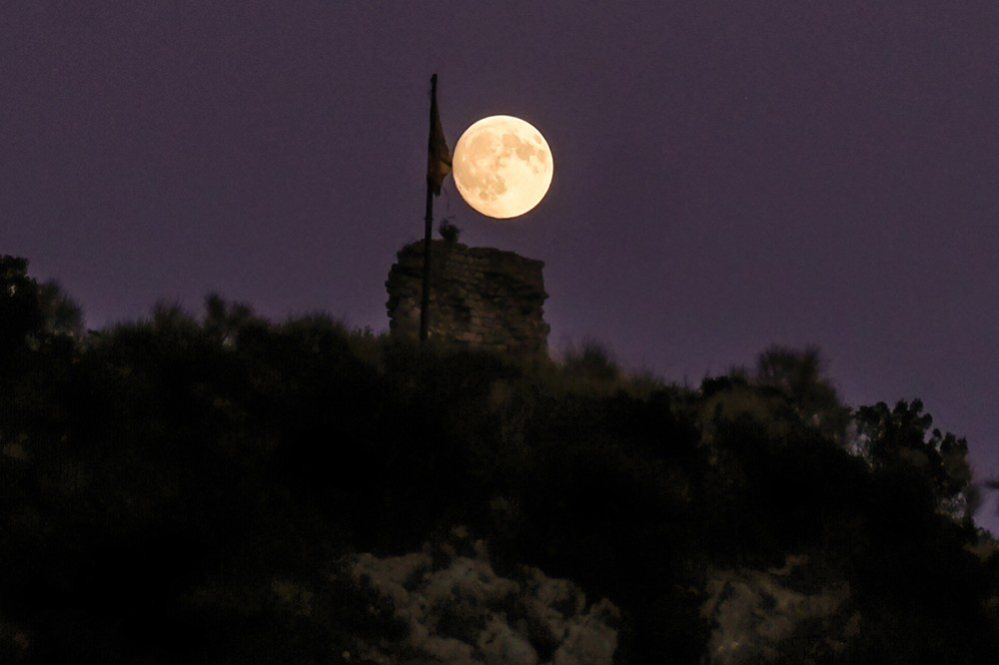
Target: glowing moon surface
[502,166]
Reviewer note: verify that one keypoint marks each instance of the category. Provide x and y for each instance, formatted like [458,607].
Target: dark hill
[225,489]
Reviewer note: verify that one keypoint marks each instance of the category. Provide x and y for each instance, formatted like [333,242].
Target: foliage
[899,439]
[181,488]
[449,231]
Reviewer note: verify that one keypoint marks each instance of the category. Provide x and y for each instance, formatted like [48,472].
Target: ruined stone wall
[479,297]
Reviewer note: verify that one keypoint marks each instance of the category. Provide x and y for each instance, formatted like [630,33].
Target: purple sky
[728,174]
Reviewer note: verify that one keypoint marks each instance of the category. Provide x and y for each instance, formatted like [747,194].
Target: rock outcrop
[457,610]
[786,614]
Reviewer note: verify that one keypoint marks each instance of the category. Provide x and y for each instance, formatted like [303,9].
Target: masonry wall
[480,297]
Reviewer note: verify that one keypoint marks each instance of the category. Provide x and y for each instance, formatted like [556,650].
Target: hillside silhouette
[220,488]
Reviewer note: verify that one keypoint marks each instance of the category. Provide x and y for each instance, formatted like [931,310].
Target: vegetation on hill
[220,488]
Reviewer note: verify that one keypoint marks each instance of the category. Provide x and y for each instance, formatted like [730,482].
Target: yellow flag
[439,157]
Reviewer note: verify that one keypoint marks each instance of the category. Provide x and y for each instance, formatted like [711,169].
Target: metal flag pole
[433,187]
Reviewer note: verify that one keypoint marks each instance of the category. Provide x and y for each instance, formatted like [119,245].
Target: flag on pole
[439,157]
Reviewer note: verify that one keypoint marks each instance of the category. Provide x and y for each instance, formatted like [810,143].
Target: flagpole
[428,235]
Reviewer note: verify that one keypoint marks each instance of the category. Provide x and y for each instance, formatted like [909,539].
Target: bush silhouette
[182,488]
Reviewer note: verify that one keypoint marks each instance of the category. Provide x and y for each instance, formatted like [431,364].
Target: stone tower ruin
[480,297]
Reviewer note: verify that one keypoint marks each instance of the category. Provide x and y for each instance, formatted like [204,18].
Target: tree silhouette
[185,489]
[901,437]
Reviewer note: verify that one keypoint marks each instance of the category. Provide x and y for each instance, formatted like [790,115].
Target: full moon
[502,166]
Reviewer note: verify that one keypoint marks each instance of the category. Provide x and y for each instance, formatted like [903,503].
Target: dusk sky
[728,175]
